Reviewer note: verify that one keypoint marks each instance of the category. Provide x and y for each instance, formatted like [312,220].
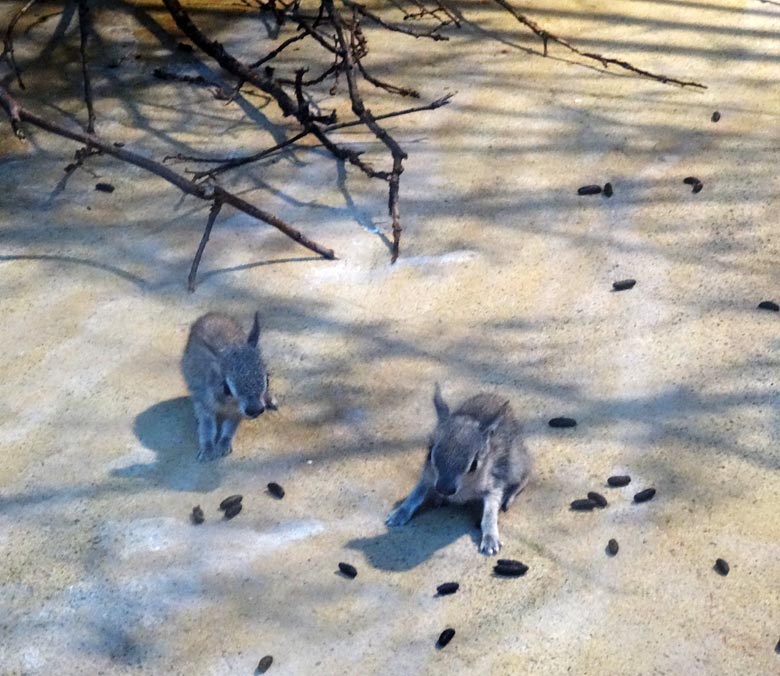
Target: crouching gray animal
[227,380]
[475,453]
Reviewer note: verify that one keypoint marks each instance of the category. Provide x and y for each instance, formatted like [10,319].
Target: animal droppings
[583,505]
[608,190]
[589,190]
[104,187]
[691,180]
[349,570]
[445,637]
[197,515]
[233,510]
[598,498]
[697,187]
[510,568]
[264,664]
[768,305]
[276,490]
[624,284]
[612,547]
[715,116]
[562,422]
[722,566]
[184,47]
[645,495]
[619,480]
[777,647]
[230,501]
[447,588]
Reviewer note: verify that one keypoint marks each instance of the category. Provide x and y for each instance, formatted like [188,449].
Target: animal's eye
[226,389]
[430,451]
[473,467]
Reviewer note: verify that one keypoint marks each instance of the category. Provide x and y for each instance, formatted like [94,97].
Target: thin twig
[215,208]
[210,193]
[364,11]
[84,35]
[275,52]
[8,43]
[605,61]
[368,119]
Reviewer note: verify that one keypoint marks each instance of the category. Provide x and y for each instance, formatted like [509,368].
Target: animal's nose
[443,489]
[252,412]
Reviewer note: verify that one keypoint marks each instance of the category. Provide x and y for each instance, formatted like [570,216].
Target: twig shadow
[168,429]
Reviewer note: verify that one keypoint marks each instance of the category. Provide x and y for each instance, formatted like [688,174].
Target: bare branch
[605,61]
[210,193]
[364,11]
[215,209]
[84,35]
[8,43]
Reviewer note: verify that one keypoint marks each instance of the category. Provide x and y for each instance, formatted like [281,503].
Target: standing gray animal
[475,453]
[227,380]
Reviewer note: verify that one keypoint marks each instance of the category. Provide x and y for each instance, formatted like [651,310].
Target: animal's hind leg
[512,492]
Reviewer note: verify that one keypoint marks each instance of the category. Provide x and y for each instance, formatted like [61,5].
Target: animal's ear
[254,334]
[490,426]
[442,410]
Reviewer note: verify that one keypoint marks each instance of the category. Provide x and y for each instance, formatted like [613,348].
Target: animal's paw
[207,454]
[398,517]
[223,448]
[490,545]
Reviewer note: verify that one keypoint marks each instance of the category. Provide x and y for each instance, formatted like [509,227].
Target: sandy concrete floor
[503,285]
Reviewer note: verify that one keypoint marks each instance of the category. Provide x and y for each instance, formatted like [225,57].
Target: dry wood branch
[369,120]
[215,208]
[263,82]
[210,193]
[84,35]
[364,11]
[8,43]
[275,52]
[219,92]
[605,61]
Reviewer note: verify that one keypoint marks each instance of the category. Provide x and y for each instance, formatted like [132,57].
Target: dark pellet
[697,187]
[447,588]
[445,637]
[510,568]
[598,498]
[768,305]
[645,495]
[562,422]
[691,180]
[777,648]
[612,547]
[349,570]
[589,190]
[722,566]
[184,47]
[104,187]
[197,515]
[583,504]
[619,480]
[264,664]
[233,510]
[118,144]
[276,490]
[608,190]
[715,116]
[624,284]
[230,501]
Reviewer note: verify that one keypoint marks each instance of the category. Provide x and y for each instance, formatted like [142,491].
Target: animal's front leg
[207,431]
[226,434]
[490,542]
[405,511]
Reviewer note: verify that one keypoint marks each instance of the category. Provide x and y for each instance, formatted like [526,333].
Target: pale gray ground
[503,284]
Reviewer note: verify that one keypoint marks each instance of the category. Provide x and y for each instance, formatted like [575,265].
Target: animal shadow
[169,429]
[406,547]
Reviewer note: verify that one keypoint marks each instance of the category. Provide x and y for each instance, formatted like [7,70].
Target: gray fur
[221,358]
[482,430]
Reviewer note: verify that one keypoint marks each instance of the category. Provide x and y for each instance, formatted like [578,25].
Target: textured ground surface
[504,284]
